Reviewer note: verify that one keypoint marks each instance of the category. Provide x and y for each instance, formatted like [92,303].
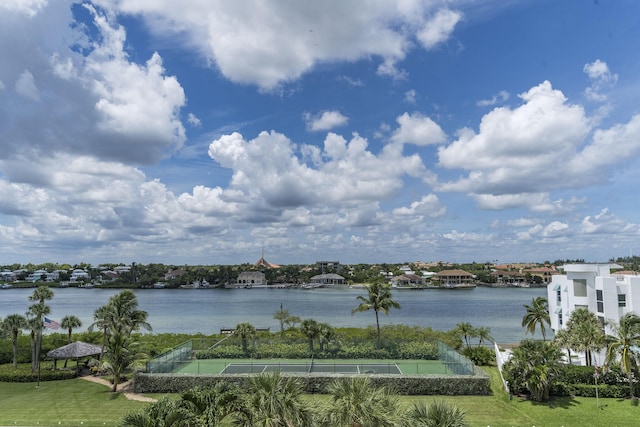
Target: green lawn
[80,403]
[62,403]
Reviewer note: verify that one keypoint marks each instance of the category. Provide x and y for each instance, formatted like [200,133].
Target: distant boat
[6,286]
[159,285]
[312,285]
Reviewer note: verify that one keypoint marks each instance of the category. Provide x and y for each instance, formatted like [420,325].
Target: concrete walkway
[123,388]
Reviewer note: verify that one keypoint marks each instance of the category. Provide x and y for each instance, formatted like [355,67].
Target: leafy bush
[23,374]
[480,355]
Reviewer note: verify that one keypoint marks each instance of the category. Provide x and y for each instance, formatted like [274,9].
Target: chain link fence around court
[182,355]
[172,360]
[454,361]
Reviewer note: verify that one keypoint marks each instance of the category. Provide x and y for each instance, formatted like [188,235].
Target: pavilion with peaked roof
[263,263]
[75,350]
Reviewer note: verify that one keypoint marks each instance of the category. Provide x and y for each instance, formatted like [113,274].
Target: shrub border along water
[451,385]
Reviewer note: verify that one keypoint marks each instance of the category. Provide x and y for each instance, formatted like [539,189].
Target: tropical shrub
[480,355]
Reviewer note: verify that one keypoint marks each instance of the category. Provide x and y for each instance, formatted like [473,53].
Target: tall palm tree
[119,319]
[437,414]
[483,333]
[35,318]
[623,344]
[467,331]
[585,333]
[537,316]
[69,323]
[101,319]
[564,340]
[311,330]
[273,400]
[245,331]
[356,402]
[40,309]
[14,324]
[34,324]
[379,300]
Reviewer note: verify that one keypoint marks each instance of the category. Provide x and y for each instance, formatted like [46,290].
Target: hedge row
[587,390]
[452,385]
[23,374]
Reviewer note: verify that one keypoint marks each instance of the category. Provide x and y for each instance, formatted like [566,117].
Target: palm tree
[585,333]
[437,414]
[14,324]
[467,331]
[35,317]
[245,331]
[623,344]
[69,323]
[325,334]
[165,412]
[101,320]
[356,402]
[209,406]
[311,330]
[39,310]
[34,324]
[272,400]
[119,318]
[537,316]
[535,365]
[483,333]
[379,300]
[125,315]
[564,340]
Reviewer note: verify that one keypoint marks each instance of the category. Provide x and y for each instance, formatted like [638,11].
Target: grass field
[80,403]
[215,366]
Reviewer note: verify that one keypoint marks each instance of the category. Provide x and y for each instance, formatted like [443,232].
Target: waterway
[208,310]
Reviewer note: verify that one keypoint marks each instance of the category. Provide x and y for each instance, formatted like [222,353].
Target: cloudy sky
[202,132]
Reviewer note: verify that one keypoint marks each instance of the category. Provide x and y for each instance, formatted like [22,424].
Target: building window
[558,296]
[601,320]
[599,301]
[560,319]
[622,300]
[580,287]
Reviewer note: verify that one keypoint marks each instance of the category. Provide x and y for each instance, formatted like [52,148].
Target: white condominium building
[594,287]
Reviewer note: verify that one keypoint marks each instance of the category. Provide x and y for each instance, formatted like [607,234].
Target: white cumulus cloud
[327,120]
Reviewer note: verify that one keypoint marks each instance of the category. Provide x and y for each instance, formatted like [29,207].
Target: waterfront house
[248,279]
[328,279]
[407,280]
[8,276]
[544,274]
[174,274]
[508,277]
[79,274]
[594,287]
[454,278]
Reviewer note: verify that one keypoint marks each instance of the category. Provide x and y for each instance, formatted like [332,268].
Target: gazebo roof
[74,350]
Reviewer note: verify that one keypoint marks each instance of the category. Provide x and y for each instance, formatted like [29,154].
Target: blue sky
[201,132]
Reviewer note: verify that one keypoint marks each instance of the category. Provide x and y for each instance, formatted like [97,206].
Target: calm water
[208,310]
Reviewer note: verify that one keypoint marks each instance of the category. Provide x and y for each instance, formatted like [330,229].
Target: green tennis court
[341,366]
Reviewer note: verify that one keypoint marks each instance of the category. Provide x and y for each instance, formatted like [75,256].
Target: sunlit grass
[81,403]
[62,403]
